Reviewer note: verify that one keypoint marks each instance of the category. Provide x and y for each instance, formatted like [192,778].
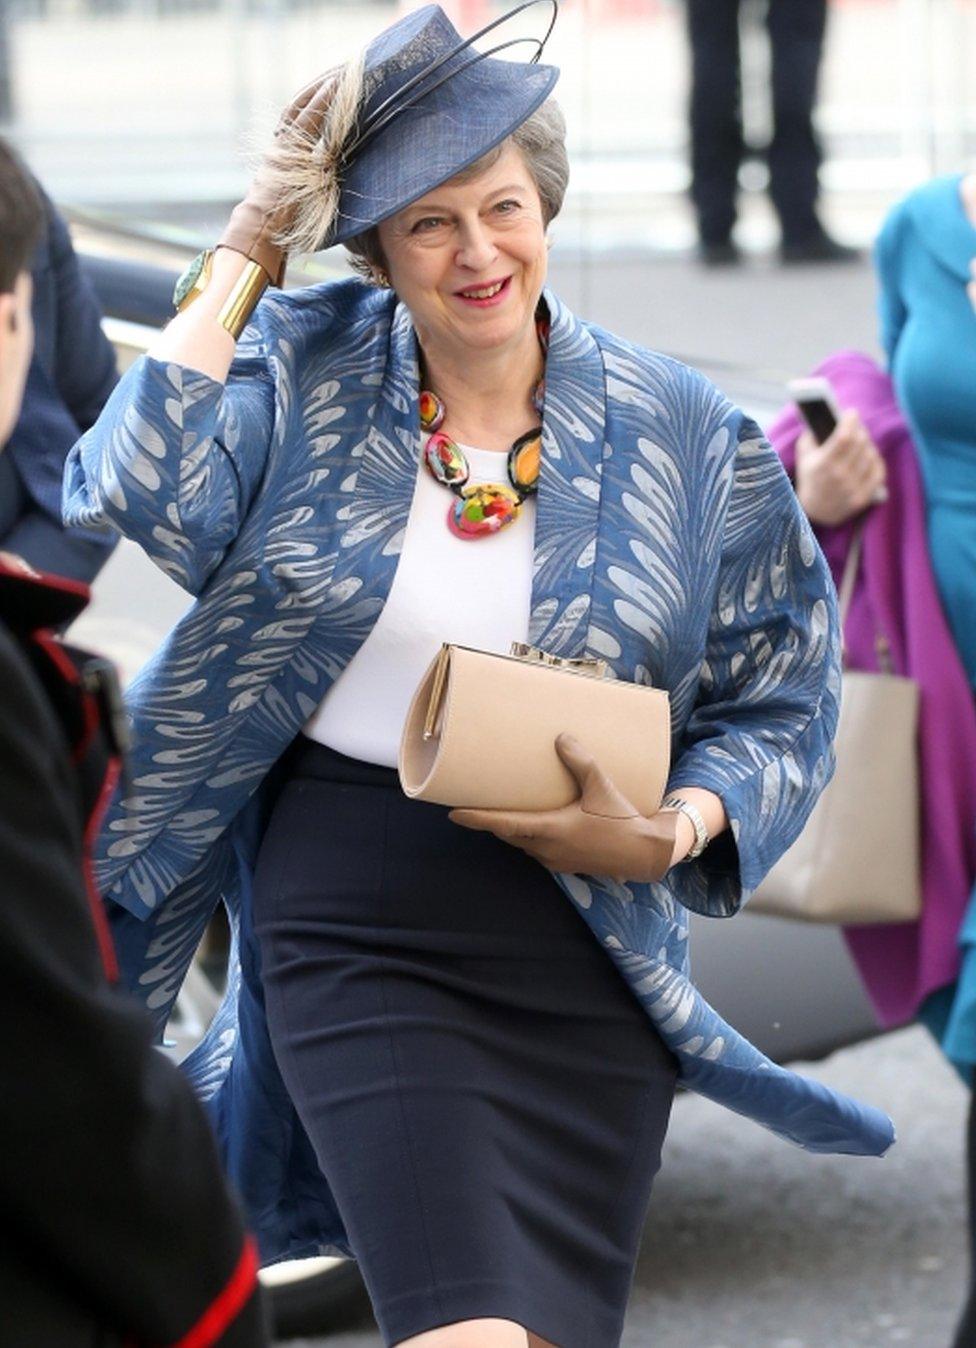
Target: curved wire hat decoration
[400,101]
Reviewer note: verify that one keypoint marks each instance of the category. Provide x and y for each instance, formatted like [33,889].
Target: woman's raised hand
[257,223]
[599,833]
[197,337]
[837,480]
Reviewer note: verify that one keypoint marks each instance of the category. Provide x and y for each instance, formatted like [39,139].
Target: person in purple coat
[917,430]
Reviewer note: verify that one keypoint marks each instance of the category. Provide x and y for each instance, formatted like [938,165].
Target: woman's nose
[476,248]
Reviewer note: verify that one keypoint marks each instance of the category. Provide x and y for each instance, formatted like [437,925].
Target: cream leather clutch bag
[481,731]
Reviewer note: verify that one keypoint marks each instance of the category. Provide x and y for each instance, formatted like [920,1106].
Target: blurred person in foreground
[117,1224]
[796,33]
[71,374]
[914,431]
[428,1059]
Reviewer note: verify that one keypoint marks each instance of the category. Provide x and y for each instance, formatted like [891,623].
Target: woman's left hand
[599,833]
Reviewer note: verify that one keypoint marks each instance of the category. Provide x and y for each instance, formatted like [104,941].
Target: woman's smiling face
[469,259]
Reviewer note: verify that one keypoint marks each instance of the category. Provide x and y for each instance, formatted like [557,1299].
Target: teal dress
[928,329]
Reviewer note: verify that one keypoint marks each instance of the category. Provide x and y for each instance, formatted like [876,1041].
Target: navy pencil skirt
[485,1096]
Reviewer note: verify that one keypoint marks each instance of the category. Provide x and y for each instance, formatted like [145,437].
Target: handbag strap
[845,593]
[852,565]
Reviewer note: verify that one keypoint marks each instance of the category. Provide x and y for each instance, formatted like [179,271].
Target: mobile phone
[818,407]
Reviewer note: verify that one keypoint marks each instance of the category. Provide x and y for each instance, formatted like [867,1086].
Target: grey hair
[541,138]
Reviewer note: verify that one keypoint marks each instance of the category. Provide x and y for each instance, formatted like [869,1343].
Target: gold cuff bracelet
[242,300]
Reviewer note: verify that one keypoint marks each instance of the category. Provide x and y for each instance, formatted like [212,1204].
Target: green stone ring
[193,280]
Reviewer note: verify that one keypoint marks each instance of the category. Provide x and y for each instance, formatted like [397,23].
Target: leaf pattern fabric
[668,542]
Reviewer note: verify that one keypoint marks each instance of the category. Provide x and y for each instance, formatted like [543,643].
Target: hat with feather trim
[432,106]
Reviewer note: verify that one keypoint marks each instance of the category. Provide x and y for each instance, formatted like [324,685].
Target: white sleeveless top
[475,593]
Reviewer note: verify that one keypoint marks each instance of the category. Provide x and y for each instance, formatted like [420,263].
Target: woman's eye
[428,223]
[506,207]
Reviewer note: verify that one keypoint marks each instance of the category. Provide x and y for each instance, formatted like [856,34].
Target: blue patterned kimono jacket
[668,541]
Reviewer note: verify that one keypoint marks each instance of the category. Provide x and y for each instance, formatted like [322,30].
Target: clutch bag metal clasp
[519,650]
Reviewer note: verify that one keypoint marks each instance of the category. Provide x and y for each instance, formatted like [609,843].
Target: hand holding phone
[839,471]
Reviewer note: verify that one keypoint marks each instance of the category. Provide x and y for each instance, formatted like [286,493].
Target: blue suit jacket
[668,541]
[71,375]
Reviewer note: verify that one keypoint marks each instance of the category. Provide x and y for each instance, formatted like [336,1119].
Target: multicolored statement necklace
[481,509]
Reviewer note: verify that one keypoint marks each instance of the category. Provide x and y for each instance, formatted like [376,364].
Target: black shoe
[819,247]
[724,254]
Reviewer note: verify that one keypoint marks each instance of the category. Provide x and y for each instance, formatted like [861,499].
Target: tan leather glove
[256,221]
[599,833]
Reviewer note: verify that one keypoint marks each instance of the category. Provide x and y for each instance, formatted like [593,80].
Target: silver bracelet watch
[692,813]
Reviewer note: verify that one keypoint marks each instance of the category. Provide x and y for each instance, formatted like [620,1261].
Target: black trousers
[796,32]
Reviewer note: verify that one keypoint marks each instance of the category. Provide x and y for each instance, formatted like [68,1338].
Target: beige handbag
[857,859]
[481,731]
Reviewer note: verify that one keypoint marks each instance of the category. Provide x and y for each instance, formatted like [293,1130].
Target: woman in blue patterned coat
[425,1059]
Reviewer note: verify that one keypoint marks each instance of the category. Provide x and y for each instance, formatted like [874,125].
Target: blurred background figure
[71,374]
[796,33]
[928,328]
[118,1224]
[916,431]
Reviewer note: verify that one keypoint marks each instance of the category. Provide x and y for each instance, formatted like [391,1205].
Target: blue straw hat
[433,105]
